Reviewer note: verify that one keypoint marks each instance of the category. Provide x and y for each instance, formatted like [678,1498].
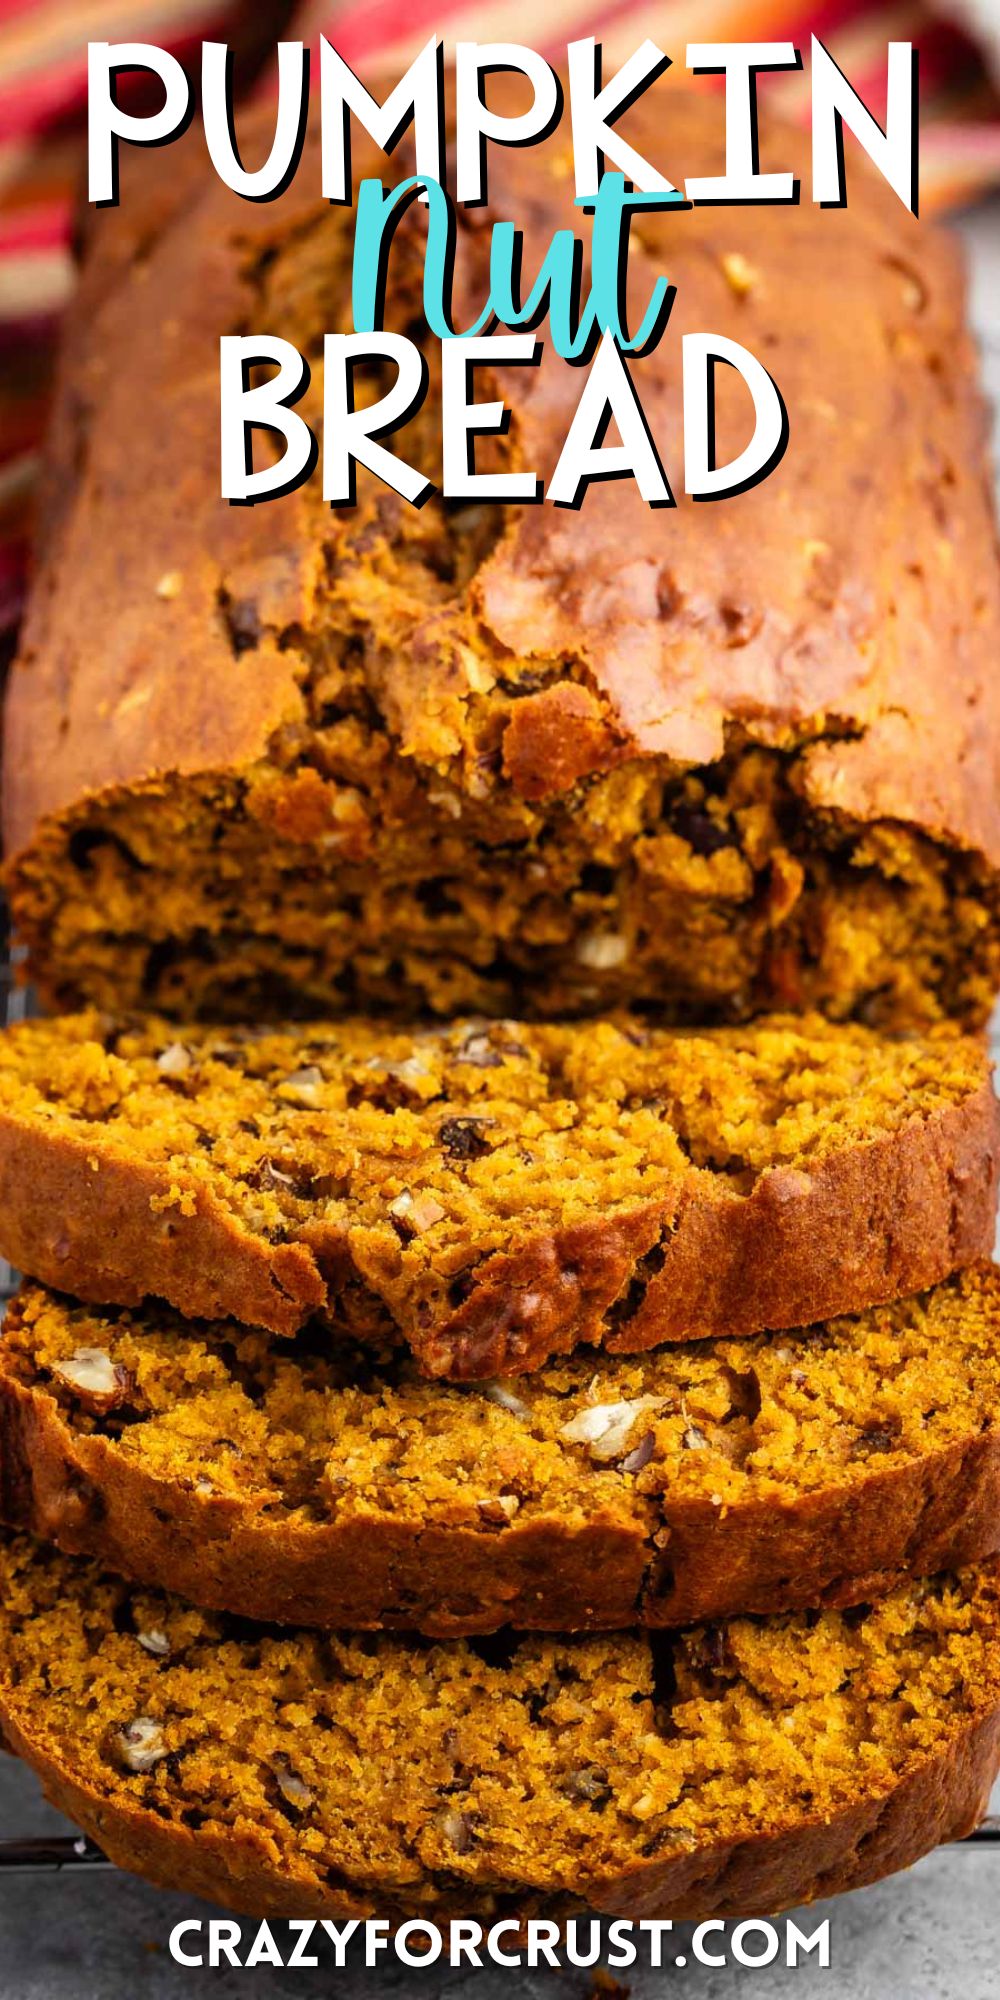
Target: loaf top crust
[289,1771]
[850,602]
[494,1192]
[326,1486]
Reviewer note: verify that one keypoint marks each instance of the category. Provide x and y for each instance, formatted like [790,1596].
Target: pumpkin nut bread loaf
[494,1193]
[502,760]
[732,1769]
[326,1488]
[503,1412]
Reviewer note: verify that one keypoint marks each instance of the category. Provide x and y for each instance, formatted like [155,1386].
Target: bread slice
[493,1194]
[326,1488]
[734,1769]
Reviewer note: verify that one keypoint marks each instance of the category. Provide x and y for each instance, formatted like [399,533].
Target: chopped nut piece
[740,274]
[476,670]
[814,549]
[140,1744]
[175,1060]
[424,1212]
[914,291]
[462,1138]
[644,1806]
[498,1392]
[154,1641]
[502,1507]
[605,1427]
[694,1439]
[303,1086]
[602,950]
[90,1369]
[457,1828]
[641,1455]
[587,1786]
[447,802]
[100,1382]
[416,1212]
[478,1050]
[170,585]
[292,1788]
[870,1443]
[409,1070]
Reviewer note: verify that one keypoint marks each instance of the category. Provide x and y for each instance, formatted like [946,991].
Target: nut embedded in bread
[492,1193]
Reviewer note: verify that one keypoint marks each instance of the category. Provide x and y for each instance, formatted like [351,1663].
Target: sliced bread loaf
[495,1194]
[326,1488]
[734,1769]
[491,757]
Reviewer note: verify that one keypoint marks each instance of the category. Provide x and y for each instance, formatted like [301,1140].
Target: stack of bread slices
[503,1409]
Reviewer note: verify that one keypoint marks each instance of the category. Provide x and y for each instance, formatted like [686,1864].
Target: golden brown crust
[943,1799]
[869,1223]
[83,1223]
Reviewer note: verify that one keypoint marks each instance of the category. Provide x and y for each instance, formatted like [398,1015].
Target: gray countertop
[931,1934]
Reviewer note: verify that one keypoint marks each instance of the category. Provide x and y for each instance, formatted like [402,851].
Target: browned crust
[684,1562]
[868,1224]
[942,1798]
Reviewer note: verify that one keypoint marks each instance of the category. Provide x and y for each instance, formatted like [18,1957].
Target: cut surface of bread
[735,1769]
[311,1486]
[498,758]
[495,1193]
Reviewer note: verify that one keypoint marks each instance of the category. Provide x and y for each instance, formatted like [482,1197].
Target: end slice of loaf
[495,758]
[495,1193]
[325,1487]
[735,1769]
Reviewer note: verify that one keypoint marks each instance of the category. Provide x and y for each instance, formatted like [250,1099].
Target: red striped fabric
[43,47]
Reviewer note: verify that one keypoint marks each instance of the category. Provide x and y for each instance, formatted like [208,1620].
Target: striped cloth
[43,92]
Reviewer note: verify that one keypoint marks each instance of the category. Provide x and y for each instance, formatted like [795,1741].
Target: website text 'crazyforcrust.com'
[582,1941]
